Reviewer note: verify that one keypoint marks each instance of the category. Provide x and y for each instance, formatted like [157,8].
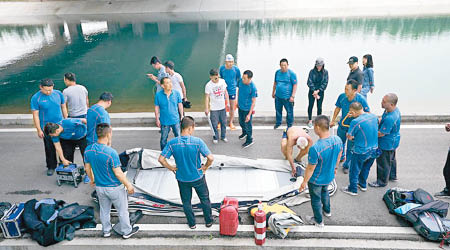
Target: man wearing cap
[317,83]
[323,161]
[295,136]
[177,79]
[355,72]
[48,105]
[343,104]
[388,141]
[284,89]
[156,64]
[231,74]
[363,132]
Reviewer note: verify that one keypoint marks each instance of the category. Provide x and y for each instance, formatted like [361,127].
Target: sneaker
[133,231]
[310,124]
[276,126]
[443,193]
[215,141]
[364,189]
[208,225]
[345,190]
[345,170]
[248,144]
[375,184]
[193,227]
[393,179]
[50,172]
[242,137]
[86,179]
[326,214]
[106,234]
[224,140]
[312,221]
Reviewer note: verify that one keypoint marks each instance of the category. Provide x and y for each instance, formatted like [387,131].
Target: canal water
[411,58]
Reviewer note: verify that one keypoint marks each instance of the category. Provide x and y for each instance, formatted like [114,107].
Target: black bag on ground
[432,226]
[396,197]
[423,197]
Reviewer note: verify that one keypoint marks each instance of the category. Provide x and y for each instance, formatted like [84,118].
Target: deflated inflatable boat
[248,180]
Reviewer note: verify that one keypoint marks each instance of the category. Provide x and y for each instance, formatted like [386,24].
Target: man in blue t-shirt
[363,132]
[70,134]
[323,161]
[97,114]
[232,75]
[189,171]
[168,111]
[247,94]
[284,89]
[48,105]
[388,141]
[343,104]
[103,167]
[156,64]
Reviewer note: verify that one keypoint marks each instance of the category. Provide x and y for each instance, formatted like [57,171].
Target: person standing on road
[97,114]
[355,72]
[323,161]
[189,171]
[177,80]
[284,89]
[168,111]
[247,94]
[156,64]
[388,141]
[368,82]
[317,83]
[295,136]
[103,168]
[446,171]
[343,104]
[216,95]
[76,97]
[232,75]
[363,132]
[48,105]
[70,134]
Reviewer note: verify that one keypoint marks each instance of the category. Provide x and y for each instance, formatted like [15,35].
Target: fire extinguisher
[260,225]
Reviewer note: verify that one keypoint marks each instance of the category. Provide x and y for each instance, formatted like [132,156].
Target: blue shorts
[232,97]
[284,136]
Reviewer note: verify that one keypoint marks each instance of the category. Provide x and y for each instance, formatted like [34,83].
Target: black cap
[352,60]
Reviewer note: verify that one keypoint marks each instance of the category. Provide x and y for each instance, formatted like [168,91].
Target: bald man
[291,137]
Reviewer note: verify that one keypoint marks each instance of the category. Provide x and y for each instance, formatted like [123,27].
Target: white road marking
[406,126]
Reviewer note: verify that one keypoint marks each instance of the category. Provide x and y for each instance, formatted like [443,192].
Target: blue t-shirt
[103,159]
[285,82]
[73,129]
[161,74]
[231,77]
[186,150]
[96,114]
[324,154]
[390,127]
[246,94]
[168,107]
[365,130]
[49,107]
[344,104]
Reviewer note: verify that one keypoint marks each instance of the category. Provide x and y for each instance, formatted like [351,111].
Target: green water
[410,58]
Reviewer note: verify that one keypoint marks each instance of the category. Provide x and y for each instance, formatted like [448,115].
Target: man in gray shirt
[76,97]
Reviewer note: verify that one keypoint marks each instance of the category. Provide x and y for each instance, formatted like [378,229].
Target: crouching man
[103,167]
[295,136]
[186,149]
[323,161]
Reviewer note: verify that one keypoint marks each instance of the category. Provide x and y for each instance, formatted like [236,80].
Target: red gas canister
[229,217]
[260,225]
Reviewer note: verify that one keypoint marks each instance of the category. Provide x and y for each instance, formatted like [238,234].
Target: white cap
[229,58]
[302,142]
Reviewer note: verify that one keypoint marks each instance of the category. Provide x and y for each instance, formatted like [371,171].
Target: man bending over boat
[291,137]
[189,171]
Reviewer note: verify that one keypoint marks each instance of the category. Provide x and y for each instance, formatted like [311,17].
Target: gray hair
[392,98]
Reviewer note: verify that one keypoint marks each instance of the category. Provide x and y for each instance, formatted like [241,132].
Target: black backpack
[433,227]
[396,197]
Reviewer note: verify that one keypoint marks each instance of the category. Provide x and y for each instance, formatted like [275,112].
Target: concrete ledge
[148,119]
